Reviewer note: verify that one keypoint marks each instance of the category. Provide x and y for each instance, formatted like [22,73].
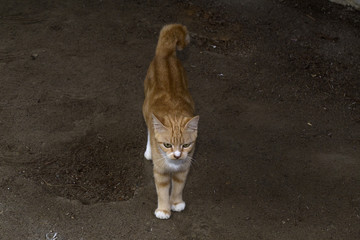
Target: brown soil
[276,87]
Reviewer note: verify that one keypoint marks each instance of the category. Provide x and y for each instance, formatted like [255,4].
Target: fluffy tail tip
[172,37]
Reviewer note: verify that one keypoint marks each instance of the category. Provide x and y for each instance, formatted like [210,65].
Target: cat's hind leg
[147,153]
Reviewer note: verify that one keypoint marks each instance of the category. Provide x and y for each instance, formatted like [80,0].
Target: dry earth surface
[276,85]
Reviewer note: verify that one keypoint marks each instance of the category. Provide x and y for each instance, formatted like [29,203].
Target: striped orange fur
[169,115]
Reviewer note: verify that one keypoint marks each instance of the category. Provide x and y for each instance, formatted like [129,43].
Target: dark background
[276,85]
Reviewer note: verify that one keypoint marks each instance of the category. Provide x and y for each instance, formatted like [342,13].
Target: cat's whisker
[193,160]
[161,161]
[193,163]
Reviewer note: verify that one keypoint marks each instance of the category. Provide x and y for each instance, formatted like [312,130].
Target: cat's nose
[177,154]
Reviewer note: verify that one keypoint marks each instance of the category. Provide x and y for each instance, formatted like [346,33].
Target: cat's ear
[158,126]
[192,125]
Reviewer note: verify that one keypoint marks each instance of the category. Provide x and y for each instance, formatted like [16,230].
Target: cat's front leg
[162,182]
[178,183]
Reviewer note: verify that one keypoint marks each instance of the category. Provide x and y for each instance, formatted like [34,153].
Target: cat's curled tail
[172,37]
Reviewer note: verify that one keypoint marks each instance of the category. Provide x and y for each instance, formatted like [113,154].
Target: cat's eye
[186,145]
[167,145]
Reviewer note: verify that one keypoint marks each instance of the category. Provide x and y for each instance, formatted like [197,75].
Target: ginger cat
[169,115]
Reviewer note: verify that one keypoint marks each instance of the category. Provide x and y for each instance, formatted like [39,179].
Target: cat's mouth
[176,165]
[176,161]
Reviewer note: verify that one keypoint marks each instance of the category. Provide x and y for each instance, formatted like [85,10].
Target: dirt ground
[276,85]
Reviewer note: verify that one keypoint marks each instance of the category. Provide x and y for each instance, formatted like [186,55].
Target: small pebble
[34,56]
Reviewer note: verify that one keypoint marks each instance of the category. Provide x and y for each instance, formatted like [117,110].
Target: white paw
[161,214]
[147,154]
[178,207]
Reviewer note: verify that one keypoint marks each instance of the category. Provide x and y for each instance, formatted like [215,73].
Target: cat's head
[176,136]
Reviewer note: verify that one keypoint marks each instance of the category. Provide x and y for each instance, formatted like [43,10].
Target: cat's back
[166,76]
[166,87]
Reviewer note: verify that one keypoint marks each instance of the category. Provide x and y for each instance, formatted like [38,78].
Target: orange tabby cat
[169,115]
